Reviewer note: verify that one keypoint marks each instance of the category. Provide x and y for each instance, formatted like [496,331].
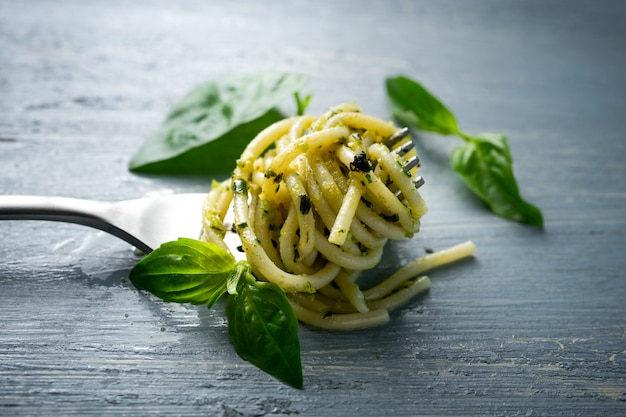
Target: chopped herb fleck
[360,163]
[406,171]
[393,218]
[305,204]
[240,186]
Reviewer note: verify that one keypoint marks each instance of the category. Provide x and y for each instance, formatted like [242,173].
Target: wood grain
[534,325]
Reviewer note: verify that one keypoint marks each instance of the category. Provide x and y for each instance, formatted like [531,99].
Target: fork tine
[397,137]
[418,182]
[404,148]
[411,163]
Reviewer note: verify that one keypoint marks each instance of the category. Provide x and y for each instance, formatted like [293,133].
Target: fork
[147,222]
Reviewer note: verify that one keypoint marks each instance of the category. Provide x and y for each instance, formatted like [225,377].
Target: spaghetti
[315,200]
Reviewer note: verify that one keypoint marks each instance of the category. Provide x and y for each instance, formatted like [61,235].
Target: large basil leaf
[207,130]
[264,330]
[185,271]
[413,105]
[486,165]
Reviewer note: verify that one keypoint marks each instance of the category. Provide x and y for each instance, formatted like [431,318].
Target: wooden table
[534,325]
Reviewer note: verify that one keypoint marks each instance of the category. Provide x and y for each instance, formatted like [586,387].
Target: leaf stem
[240,270]
[465,137]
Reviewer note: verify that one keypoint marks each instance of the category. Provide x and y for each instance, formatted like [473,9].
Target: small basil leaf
[210,113]
[486,166]
[414,106]
[185,271]
[264,330]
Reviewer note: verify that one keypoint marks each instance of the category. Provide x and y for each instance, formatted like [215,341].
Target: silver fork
[401,144]
[145,223]
[148,222]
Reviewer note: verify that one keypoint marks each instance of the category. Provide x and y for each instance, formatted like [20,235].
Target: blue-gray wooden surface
[534,325]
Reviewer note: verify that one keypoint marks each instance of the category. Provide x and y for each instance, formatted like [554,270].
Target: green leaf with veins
[264,329]
[185,271]
[261,323]
[209,128]
[484,162]
[413,105]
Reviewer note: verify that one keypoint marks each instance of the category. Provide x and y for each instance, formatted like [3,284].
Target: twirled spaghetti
[315,200]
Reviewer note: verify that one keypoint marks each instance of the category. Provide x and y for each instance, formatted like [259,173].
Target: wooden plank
[534,325]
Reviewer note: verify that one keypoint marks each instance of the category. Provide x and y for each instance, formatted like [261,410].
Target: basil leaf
[486,165]
[413,105]
[264,330]
[185,271]
[207,130]
[484,162]
[212,156]
[261,323]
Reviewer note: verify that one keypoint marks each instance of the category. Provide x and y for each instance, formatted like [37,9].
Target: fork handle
[64,209]
[61,209]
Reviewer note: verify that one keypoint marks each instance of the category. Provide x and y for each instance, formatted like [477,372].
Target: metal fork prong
[411,163]
[397,137]
[418,182]
[404,148]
